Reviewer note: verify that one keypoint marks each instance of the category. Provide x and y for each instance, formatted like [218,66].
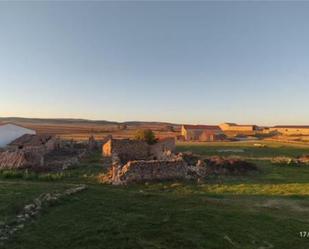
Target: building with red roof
[201,133]
[238,128]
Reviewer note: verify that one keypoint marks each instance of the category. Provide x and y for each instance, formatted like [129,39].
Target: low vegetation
[266,210]
[146,135]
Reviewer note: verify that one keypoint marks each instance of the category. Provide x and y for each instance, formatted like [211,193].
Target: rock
[283,160]
[201,164]
[29,207]
[21,226]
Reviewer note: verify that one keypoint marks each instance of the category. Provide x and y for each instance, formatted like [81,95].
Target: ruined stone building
[129,149]
[36,143]
[134,161]
[202,133]
[28,151]
[126,149]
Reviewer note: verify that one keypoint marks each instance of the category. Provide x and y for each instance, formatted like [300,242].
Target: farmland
[79,130]
[265,210]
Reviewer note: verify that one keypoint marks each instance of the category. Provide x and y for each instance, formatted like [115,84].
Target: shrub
[146,135]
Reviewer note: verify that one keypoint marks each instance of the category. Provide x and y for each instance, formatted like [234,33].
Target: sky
[181,62]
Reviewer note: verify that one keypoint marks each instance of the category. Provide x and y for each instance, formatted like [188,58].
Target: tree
[146,135]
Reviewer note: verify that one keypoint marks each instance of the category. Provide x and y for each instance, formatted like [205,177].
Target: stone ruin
[136,161]
[44,152]
[148,170]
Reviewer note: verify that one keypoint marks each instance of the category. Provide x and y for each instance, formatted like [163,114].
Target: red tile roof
[239,125]
[202,127]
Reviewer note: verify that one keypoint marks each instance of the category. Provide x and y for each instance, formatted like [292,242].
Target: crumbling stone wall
[92,144]
[126,149]
[139,171]
[135,161]
[20,159]
[52,144]
[53,155]
[163,149]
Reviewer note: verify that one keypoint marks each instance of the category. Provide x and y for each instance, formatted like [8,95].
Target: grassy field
[265,210]
[271,149]
[81,130]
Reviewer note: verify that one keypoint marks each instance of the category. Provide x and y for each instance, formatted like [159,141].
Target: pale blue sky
[186,62]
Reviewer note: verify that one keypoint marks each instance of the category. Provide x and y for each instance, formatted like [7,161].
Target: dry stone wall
[138,150]
[126,149]
[163,149]
[139,171]
[52,155]
[136,161]
[20,159]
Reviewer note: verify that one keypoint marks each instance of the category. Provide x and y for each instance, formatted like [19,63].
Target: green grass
[272,149]
[256,211]
[15,194]
[162,216]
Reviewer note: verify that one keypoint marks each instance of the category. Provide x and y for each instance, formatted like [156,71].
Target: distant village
[208,133]
[129,159]
[14,134]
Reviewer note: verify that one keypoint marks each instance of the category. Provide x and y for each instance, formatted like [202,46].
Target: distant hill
[62,121]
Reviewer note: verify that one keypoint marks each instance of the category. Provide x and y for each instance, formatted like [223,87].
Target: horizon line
[138,121]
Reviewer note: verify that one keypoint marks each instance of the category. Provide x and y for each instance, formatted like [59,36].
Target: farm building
[202,133]
[10,132]
[238,128]
[291,129]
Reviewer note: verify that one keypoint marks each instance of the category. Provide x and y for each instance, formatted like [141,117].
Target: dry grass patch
[301,189]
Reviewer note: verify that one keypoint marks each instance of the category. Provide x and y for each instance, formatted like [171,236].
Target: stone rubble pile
[284,160]
[182,166]
[151,170]
[53,155]
[19,159]
[136,161]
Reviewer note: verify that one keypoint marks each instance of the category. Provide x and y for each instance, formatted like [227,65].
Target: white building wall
[10,132]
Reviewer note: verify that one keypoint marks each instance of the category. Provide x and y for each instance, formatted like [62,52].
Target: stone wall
[53,155]
[20,159]
[162,148]
[136,161]
[138,150]
[126,149]
[139,171]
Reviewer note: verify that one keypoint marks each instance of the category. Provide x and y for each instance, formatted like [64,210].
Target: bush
[146,135]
